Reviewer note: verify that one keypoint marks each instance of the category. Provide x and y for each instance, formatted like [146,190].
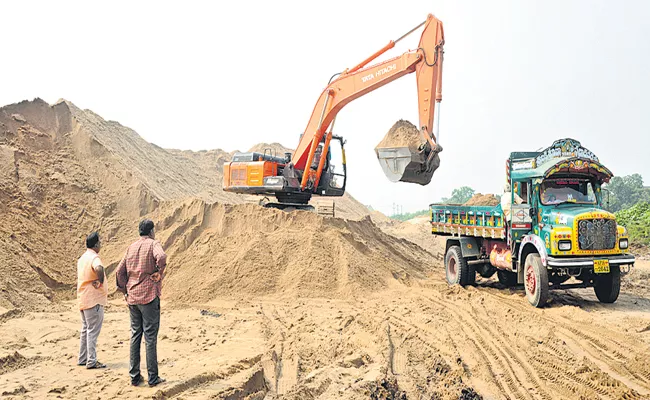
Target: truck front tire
[457,270]
[536,280]
[608,286]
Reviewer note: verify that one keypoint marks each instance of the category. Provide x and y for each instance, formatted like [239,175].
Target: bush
[407,216]
[637,221]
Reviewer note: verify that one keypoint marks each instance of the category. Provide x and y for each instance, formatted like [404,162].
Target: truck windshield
[558,191]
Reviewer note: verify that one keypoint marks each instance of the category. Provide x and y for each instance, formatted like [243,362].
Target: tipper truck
[550,227]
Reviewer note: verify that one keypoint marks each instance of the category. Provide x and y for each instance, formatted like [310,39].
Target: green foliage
[407,216]
[637,221]
[625,192]
[459,196]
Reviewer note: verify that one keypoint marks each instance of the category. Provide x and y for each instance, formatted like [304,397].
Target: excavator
[293,178]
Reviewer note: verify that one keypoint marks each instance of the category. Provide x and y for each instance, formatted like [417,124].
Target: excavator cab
[334,176]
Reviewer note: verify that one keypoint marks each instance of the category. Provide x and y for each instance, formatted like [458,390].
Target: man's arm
[160,257]
[99,270]
[518,199]
[121,274]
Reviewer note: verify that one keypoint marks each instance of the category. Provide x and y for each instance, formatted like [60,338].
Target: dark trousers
[145,318]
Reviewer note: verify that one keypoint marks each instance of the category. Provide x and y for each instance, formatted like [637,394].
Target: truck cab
[554,228]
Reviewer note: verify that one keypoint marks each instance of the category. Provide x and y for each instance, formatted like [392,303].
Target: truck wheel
[456,268]
[607,287]
[536,280]
[507,278]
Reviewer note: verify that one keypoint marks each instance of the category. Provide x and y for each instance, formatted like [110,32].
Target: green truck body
[554,228]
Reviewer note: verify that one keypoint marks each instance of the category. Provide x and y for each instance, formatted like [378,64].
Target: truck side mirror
[531,212]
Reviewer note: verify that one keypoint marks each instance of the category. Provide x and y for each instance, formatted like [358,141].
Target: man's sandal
[137,381]
[97,365]
[157,381]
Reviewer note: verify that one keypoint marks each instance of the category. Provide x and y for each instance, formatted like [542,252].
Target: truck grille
[597,234]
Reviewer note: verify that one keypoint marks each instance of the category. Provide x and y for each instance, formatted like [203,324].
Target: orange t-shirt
[87,295]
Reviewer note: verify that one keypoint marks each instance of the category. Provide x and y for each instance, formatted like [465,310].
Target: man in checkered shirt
[139,276]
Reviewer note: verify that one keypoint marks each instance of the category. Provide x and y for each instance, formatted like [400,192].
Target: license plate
[601,266]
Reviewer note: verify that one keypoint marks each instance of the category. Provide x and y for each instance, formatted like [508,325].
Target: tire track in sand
[495,362]
[597,343]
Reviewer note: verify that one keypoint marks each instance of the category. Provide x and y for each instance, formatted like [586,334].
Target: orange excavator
[311,170]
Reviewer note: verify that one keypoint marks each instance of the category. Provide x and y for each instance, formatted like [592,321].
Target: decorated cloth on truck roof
[565,155]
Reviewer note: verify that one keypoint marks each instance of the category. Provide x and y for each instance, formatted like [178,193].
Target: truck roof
[564,155]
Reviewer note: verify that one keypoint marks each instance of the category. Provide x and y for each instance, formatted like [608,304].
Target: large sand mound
[239,250]
[416,230]
[65,172]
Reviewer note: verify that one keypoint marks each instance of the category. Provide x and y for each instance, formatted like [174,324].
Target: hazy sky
[200,75]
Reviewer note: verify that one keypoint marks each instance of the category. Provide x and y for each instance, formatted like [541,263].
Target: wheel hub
[531,281]
[452,268]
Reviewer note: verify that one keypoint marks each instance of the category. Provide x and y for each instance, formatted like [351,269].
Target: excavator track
[326,209]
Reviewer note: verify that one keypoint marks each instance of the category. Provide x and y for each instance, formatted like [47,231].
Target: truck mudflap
[587,262]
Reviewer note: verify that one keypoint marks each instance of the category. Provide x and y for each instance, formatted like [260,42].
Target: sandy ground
[433,340]
[295,306]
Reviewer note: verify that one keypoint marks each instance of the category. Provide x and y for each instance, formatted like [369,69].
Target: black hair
[145,227]
[92,240]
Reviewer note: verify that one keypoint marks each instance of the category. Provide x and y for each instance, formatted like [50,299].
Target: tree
[459,196]
[625,191]
[637,221]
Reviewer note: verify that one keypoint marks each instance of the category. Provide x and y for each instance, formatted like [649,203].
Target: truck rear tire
[536,280]
[457,270]
[507,278]
[608,287]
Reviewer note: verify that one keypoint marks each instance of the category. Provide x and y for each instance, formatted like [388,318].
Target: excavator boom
[426,61]
[309,171]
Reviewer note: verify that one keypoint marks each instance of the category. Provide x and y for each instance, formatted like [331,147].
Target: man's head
[146,228]
[92,242]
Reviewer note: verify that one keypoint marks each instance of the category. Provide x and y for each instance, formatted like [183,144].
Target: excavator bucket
[405,156]
[403,164]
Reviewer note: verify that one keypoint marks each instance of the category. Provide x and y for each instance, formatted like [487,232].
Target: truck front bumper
[586,262]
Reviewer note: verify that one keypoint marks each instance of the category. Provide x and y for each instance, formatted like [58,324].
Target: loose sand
[265,304]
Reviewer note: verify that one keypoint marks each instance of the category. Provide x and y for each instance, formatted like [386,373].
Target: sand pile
[482,200]
[402,134]
[380,218]
[65,172]
[276,149]
[418,231]
[49,201]
[223,250]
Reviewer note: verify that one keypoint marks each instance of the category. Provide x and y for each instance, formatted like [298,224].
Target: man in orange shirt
[92,294]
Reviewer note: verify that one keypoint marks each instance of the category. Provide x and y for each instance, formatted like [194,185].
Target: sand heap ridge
[482,200]
[65,172]
[239,250]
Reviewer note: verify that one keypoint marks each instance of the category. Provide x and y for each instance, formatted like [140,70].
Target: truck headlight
[622,244]
[564,245]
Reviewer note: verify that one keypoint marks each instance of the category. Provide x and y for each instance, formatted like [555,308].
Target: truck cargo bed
[479,221]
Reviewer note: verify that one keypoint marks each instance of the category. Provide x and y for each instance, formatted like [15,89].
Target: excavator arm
[293,179]
[426,61]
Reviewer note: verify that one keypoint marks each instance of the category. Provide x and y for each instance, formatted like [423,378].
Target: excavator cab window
[334,176]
